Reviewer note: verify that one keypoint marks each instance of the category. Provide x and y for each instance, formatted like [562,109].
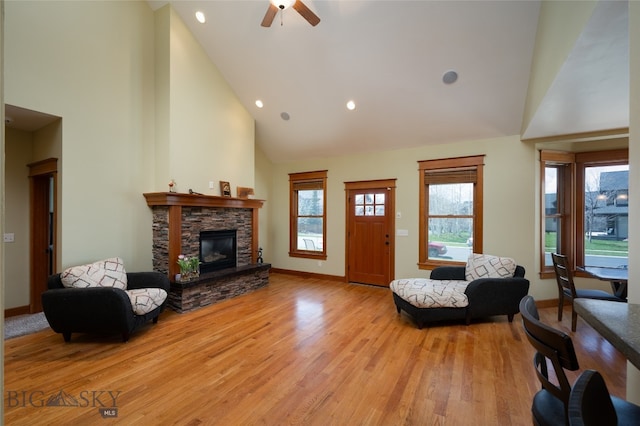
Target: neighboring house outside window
[307,219]
[589,224]
[450,226]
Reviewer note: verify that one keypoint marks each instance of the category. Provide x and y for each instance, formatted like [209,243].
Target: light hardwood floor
[300,351]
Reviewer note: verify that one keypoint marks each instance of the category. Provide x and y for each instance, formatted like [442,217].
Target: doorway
[370,238]
[42,201]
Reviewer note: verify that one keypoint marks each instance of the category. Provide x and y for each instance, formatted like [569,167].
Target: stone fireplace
[180,221]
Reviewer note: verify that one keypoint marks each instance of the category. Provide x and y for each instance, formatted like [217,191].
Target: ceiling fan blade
[306,13]
[268,17]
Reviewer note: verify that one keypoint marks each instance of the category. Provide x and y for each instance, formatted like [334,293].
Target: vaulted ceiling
[389,57]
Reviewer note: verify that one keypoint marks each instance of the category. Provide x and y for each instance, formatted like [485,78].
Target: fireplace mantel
[196,200]
[174,202]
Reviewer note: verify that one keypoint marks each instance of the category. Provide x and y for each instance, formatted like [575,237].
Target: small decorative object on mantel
[260,255]
[244,192]
[189,268]
[225,189]
[172,185]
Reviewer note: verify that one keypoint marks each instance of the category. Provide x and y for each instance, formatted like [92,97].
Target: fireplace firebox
[217,250]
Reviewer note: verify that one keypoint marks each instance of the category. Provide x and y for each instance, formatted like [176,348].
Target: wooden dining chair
[554,348]
[567,289]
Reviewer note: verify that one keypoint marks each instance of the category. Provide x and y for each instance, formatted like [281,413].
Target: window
[558,169]
[586,212]
[450,210]
[307,222]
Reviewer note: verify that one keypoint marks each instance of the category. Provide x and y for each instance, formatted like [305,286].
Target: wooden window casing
[563,216]
[316,180]
[571,200]
[449,171]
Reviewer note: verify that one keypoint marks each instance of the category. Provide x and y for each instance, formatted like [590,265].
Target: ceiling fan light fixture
[282,4]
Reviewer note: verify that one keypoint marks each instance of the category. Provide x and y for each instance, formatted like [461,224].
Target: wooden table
[618,277]
[618,322]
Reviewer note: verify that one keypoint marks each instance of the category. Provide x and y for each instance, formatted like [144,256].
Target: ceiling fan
[301,8]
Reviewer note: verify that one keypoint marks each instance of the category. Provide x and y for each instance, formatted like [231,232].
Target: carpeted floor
[24,324]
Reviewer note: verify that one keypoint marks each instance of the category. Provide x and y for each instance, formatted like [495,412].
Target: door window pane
[370,204]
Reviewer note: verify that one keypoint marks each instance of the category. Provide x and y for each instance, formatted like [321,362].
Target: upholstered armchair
[74,303]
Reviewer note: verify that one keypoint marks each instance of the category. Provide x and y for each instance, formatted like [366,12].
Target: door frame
[42,256]
[390,213]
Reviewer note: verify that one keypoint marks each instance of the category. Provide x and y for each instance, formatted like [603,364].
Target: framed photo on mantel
[225,189]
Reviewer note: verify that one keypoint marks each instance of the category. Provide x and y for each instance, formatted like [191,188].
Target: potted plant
[189,268]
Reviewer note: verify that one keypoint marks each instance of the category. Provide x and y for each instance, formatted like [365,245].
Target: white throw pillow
[487,266]
[104,273]
[145,300]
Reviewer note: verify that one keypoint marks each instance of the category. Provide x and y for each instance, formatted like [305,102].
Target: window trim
[456,164]
[584,160]
[295,179]
[573,194]
[566,214]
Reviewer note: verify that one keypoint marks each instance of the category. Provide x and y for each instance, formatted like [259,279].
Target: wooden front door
[370,231]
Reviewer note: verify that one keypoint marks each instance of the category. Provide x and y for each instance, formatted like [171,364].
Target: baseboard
[20,310]
[309,275]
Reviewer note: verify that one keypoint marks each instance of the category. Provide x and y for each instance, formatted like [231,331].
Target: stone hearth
[217,286]
[177,222]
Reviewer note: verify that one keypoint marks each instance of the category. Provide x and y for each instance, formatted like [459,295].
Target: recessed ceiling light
[285,116]
[259,103]
[450,77]
[351,105]
[200,17]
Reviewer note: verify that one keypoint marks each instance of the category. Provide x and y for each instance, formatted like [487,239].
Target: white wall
[19,152]
[211,135]
[94,64]
[559,25]
[23,148]
[510,212]
[263,192]
[91,63]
